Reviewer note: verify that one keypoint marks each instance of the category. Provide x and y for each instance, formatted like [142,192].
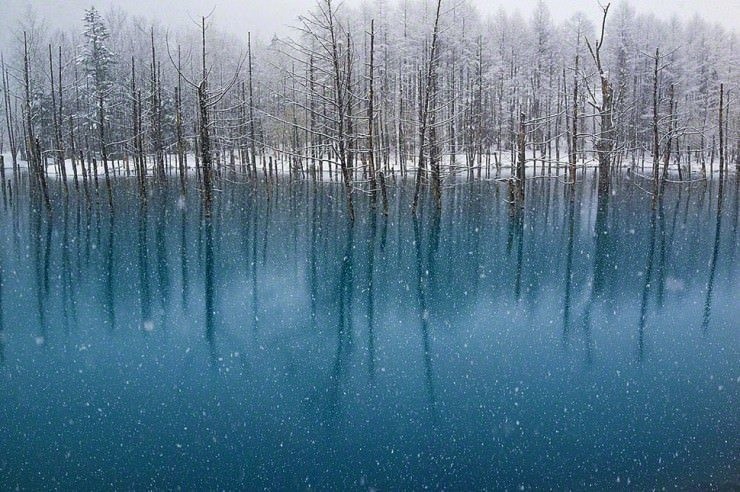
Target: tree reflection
[423,276]
[147,323]
[68,296]
[568,263]
[2,320]
[713,261]
[601,267]
[344,323]
[184,273]
[647,274]
[303,279]
[41,245]
[161,229]
[370,296]
[210,314]
[109,273]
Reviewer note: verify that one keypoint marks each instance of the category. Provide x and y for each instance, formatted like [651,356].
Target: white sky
[265,17]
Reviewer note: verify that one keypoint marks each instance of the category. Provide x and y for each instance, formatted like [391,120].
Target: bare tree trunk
[205,139]
[340,89]
[521,172]
[103,147]
[401,134]
[136,131]
[425,108]
[434,148]
[656,148]
[453,113]
[669,135]
[73,141]
[58,151]
[574,134]
[13,142]
[674,117]
[60,118]
[370,119]
[317,168]
[181,161]
[479,108]
[605,144]
[33,150]
[156,115]
[252,146]
[721,132]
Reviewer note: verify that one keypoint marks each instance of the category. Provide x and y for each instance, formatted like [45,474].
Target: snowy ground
[535,168]
[118,167]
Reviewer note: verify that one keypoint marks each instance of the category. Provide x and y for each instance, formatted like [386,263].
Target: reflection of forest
[563,338]
[289,257]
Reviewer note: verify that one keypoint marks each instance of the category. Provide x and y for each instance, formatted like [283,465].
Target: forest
[369,96]
[404,245]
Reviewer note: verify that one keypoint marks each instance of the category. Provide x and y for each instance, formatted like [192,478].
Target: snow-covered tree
[97,61]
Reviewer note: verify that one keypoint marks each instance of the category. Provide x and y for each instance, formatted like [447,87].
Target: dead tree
[521,170]
[9,119]
[322,52]
[370,119]
[655,122]
[348,105]
[721,132]
[58,151]
[203,116]
[104,146]
[252,142]
[669,134]
[181,158]
[32,143]
[206,101]
[342,94]
[138,147]
[435,151]
[605,142]
[574,134]
[424,117]
[156,114]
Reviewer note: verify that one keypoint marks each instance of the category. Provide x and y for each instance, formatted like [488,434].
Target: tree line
[428,90]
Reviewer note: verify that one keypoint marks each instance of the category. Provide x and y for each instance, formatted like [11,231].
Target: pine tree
[97,60]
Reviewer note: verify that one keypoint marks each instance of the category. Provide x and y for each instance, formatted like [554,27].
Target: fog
[265,18]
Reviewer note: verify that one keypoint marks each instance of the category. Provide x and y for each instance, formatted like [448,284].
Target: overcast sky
[265,17]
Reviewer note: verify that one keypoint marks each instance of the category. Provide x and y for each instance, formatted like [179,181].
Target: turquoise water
[273,345]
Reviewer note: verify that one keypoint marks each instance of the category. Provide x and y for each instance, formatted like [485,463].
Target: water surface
[577,344]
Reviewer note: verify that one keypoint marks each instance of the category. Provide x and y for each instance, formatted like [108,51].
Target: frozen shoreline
[487,171]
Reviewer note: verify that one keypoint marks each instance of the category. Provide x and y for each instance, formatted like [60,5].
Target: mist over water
[579,343]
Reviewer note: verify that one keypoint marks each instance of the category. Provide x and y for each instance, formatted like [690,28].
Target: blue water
[585,343]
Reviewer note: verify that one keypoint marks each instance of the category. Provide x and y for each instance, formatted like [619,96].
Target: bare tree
[604,106]
[426,96]
[206,101]
[33,149]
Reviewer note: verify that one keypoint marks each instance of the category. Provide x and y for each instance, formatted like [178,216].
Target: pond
[579,343]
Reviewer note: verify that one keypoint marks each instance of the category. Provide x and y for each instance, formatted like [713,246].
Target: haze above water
[274,345]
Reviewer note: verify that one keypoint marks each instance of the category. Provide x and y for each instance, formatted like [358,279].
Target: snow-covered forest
[400,245]
[426,89]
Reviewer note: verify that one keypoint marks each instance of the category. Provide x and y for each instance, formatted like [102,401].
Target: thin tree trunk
[521,172]
[32,148]
[574,134]
[425,109]
[669,135]
[370,120]
[721,132]
[252,146]
[58,152]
